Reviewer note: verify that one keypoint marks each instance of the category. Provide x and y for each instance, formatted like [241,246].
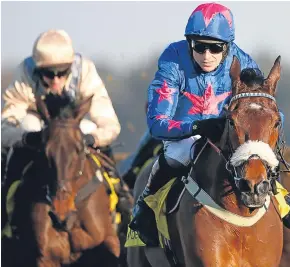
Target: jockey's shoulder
[173,51]
[87,65]
[176,46]
[21,80]
[237,51]
[86,62]
[19,70]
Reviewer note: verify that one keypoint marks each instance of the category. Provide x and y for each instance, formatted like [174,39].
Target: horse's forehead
[251,113]
[254,111]
[255,106]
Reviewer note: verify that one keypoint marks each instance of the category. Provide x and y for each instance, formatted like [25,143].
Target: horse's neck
[213,177]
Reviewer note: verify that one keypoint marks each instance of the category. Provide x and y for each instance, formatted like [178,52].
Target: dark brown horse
[228,215]
[63,207]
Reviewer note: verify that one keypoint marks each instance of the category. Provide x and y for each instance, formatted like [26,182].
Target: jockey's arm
[18,98]
[163,95]
[102,112]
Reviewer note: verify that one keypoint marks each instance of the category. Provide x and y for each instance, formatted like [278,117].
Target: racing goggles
[214,48]
[51,73]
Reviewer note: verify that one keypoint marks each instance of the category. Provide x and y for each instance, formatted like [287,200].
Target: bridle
[272,173]
[85,152]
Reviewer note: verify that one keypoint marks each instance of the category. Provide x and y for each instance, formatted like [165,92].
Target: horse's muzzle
[251,200]
[254,196]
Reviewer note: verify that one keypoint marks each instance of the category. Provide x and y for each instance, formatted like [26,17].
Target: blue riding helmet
[212,20]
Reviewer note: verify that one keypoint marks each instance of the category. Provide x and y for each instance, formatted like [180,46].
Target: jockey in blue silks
[191,86]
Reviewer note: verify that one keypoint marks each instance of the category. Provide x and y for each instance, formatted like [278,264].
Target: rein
[272,174]
[86,152]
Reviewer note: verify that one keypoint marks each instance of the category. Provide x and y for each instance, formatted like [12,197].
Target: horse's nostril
[263,187]
[244,185]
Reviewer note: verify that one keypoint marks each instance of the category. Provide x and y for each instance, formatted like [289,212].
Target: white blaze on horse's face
[259,148]
[255,106]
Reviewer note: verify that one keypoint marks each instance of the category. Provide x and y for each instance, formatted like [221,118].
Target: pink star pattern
[206,104]
[165,93]
[171,123]
[159,117]
[210,10]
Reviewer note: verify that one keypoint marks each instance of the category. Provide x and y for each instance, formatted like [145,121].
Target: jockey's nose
[56,78]
[207,54]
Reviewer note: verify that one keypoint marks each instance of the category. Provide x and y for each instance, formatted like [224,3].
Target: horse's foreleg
[95,220]
[112,242]
[286,249]
[47,262]
[81,240]
[53,246]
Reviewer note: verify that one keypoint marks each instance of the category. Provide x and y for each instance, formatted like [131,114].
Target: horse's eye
[231,122]
[278,124]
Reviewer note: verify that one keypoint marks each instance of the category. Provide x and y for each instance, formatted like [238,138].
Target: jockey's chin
[253,200]
[208,61]
[56,88]
[55,85]
[208,67]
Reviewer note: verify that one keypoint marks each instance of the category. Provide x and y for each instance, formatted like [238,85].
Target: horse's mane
[67,112]
[61,107]
[252,78]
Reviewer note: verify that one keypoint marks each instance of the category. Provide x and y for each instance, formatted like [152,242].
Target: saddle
[164,202]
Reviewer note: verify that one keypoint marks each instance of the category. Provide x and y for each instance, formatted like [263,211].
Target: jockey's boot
[286,219]
[143,221]
[19,159]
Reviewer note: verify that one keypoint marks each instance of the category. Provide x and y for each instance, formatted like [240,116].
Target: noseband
[272,169]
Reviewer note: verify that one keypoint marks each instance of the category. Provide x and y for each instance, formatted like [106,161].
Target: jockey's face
[208,55]
[55,78]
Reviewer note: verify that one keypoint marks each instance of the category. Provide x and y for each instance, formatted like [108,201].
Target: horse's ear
[42,109]
[83,108]
[235,73]
[274,76]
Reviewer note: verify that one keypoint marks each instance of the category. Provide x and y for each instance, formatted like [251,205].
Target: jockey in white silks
[55,71]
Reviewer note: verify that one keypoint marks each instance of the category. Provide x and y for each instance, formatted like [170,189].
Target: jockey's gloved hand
[32,139]
[89,140]
[210,128]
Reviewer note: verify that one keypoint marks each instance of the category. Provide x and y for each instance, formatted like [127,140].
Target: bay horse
[227,215]
[62,207]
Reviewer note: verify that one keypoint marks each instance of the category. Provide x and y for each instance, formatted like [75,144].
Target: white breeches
[182,150]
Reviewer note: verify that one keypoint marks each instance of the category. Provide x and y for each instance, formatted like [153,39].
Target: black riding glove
[210,128]
[89,140]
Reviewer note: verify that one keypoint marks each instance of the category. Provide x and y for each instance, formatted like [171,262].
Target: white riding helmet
[53,48]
